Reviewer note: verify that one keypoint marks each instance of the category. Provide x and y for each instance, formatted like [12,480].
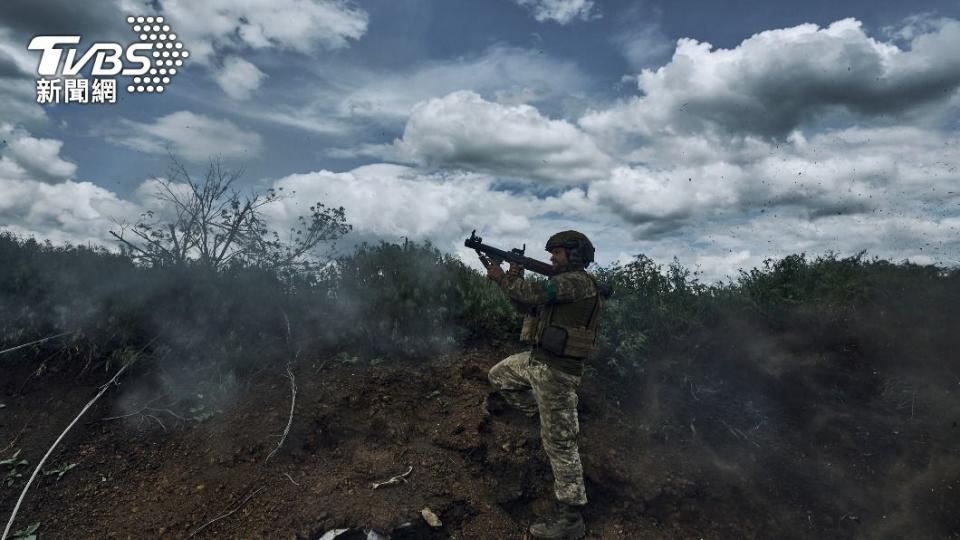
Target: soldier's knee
[494,376]
[499,372]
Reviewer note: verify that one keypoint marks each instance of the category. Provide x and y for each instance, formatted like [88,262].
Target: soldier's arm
[557,289]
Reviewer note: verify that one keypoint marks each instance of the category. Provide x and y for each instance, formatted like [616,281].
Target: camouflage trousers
[534,387]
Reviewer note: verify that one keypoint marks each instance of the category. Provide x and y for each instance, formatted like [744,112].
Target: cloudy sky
[722,133]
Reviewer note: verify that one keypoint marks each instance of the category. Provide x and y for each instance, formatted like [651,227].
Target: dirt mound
[657,462]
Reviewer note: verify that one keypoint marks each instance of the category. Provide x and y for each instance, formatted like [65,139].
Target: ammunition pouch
[528,332]
[567,341]
[580,342]
[553,339]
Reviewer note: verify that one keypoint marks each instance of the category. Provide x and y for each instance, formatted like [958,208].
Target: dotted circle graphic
[167,52]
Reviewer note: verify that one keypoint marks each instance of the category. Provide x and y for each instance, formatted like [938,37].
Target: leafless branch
[37,342]
[226,514]
[293,388]
[23,494]
[212,222]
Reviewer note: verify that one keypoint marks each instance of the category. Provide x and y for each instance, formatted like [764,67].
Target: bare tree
[212,224]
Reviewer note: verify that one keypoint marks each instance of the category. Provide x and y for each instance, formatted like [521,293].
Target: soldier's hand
[494,271]
[515,270]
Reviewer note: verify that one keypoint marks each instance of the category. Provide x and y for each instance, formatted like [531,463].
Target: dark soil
[815,447]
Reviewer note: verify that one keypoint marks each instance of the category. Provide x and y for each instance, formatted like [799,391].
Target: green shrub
[411,299]
[650,305]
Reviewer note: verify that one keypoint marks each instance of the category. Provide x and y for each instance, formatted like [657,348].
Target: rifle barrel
[533,265]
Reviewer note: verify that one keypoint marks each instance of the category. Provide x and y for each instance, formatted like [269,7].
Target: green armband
[551,289]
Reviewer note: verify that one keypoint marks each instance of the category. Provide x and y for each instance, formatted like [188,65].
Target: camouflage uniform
[533,386]
[544,382]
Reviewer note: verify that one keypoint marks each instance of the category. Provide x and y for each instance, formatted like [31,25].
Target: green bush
[186,314]
[411,299]
[826,288]
[650,305]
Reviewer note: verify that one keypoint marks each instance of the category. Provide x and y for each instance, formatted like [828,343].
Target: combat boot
[566,523]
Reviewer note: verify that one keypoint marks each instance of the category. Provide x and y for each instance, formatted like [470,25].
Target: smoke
[813,397]
[831,412]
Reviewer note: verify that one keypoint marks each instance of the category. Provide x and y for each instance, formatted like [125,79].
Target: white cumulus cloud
[70,211]
[462,130]
[393,201]
[863,171]
[26,157]
[779,80]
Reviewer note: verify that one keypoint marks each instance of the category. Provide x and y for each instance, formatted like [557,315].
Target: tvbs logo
[151,62]
[106,56]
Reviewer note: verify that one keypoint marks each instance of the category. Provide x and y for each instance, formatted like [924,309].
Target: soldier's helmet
[580,250]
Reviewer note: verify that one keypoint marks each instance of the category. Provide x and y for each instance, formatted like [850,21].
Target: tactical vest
[565,329]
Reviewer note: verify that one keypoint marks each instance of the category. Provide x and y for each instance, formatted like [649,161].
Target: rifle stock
[515,255]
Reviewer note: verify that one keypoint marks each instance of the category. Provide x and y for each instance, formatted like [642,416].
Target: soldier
[560,324]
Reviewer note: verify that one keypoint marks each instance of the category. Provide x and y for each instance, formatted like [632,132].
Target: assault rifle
[515,255]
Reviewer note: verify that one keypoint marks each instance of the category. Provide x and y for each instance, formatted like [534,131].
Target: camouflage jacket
[562,328]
